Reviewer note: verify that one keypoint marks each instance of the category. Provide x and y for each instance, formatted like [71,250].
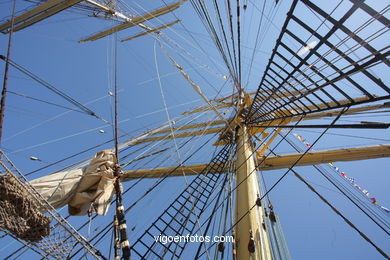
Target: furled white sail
[83,189]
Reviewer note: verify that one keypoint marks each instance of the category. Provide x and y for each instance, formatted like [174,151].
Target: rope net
[28,218]
[19,213]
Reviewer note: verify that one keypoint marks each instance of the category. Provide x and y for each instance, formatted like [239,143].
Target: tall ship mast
[195,130]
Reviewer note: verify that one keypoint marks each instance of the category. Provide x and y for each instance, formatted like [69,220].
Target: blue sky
[84,71]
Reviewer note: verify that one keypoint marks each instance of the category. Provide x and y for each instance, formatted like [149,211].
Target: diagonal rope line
[348,197]
[364,236]
[282,177]
[50,87]
[174,140]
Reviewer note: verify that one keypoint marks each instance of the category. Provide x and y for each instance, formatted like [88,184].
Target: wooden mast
[248,231]
[251,239]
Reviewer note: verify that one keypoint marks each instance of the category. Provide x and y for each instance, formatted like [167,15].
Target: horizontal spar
[273,162]
[202,109]
[257,127]
[38,13]
[317,108]
[319,115]
[363,125]
[39,16]
[265,92]
[135,21]
[179,135]
[229,104]
[186,127]
[157,30]
[162,172]
[327,156]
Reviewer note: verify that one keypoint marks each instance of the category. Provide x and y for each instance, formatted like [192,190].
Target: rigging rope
[231,190]
[239,44]
[339,187]
[284,175]
[5,81]
[307,150]
[229,167]
[327,65]
[150,189]
[202,11]
[120,215]
[174,139]
[195,87]
[256,41]
[364,236]
[50,87]
[43,101]
[342,192]
[224,35]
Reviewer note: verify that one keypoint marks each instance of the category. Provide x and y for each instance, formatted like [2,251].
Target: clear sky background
[50,49]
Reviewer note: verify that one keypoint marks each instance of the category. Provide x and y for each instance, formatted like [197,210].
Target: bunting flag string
[344,175]
[231,81]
